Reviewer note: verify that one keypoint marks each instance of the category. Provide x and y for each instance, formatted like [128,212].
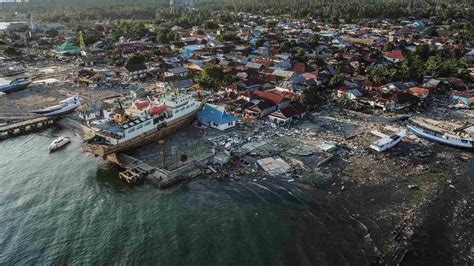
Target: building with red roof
[394,56]
[157,109]
[140,105]
[277,99]
[290,113]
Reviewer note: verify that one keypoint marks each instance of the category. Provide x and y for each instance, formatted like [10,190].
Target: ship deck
[446,127]
[189,143]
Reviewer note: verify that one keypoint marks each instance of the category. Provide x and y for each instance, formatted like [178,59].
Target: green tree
[211,25]
[312,98]
[285,46]
[337,80]
[299,54]
[227,37]
[389,46]
[135,59]
[259,42]
[212,76]
[314,40]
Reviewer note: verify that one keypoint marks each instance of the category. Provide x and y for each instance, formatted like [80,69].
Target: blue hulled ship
[15,85]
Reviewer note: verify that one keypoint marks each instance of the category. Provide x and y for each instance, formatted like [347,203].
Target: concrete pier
[23,127]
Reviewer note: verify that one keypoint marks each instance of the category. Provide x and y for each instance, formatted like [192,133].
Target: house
[284,74]
[394,87]
[137,92]
[469,56]
[351,94]
[254,66]
[140,105]
[462,99]
[394,56]
[239,105]
[177,72]
[216,117]
[93,110]
[421,93]
[136,71]
[180,84]
[432,84]
[261,109]
[264,51]
[290,113]
[279,100]
[401,100]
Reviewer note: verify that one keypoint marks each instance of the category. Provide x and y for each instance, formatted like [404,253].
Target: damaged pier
[24,127]
[136,171]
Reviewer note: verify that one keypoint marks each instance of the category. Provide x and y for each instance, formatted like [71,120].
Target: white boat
[448,133]
[48,109]
[59,143]
[123,132]
[65,107]
[443,138]
[388,142]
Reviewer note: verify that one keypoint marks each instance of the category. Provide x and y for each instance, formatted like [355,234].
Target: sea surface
[69,207]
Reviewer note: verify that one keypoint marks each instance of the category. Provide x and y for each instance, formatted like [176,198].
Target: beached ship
[121,133]
[15,85]
[388,142]
[448,133]
[65,107]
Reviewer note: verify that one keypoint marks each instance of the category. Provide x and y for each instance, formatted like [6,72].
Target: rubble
[274,166]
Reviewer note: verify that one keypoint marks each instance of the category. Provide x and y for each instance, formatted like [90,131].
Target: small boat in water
[14,85]
[59,143]
[65,107]
[388,142]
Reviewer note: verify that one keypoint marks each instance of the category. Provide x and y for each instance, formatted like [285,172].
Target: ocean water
[69,207]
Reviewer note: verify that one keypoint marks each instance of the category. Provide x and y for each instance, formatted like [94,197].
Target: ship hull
[157,134]
[14,88]
[58,113]
[420,133]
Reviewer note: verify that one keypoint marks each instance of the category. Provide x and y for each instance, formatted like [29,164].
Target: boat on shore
[447,133]
[124,133]
[66,106]
[388,142]
[15,85]
[59,143]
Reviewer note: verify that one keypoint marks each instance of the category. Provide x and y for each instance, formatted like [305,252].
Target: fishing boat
[14,85]
[66,106]
[124,132]
[47,109]
[388,142]
[59,143]
[447,133]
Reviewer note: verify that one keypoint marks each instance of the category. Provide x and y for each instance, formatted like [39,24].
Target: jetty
[23,127]
[136,171]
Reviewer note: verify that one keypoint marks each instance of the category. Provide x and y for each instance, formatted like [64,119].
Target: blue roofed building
[216,117]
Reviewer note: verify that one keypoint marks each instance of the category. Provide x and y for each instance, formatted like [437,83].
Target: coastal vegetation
[424,61]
